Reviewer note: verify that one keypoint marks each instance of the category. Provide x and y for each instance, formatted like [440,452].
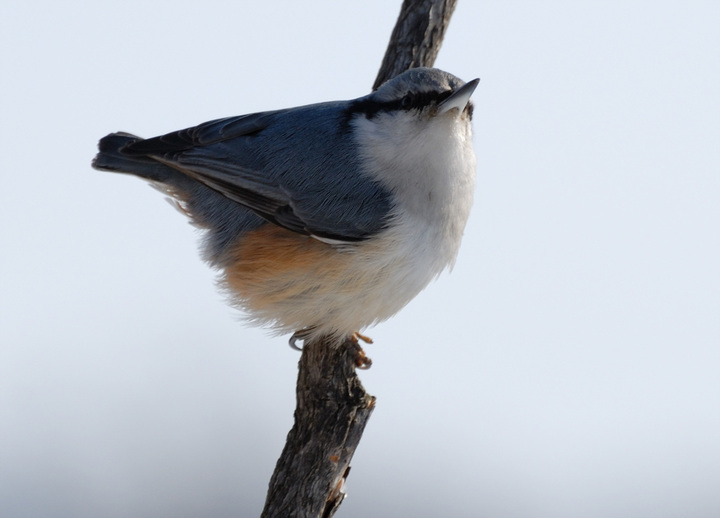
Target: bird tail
[110,157]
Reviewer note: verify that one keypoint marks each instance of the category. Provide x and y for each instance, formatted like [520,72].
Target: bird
[325,219]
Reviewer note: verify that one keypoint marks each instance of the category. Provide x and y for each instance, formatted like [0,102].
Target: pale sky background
[568,367]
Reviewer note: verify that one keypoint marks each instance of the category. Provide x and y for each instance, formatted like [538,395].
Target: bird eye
[407,101]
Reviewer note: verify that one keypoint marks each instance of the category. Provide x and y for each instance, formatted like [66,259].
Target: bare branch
[331,413]
[416,39]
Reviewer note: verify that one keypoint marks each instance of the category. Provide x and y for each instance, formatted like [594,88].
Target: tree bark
[331,413]
[416,38]
[332,405]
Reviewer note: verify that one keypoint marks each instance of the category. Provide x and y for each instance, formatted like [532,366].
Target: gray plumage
[289,167]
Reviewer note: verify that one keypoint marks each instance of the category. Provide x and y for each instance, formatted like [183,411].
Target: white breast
[429,165]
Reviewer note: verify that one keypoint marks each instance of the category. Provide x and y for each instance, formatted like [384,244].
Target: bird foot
[362,361]
[357,336]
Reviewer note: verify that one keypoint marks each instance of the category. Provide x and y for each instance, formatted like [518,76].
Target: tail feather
[111,158]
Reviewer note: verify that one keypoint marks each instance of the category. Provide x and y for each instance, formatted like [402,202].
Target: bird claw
[362,361]
[293,342]
[299,336]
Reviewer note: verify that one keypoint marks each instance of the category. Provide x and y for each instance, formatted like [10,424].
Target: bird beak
[459,98]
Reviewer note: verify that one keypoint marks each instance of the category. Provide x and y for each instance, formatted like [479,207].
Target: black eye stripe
[426,98]
[410,101]
[418,100]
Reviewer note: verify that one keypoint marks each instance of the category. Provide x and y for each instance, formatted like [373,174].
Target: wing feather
[291,167]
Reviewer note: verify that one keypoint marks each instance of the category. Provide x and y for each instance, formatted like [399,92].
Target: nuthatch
[328,218]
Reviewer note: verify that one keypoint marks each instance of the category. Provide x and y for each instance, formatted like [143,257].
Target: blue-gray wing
[298,168]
